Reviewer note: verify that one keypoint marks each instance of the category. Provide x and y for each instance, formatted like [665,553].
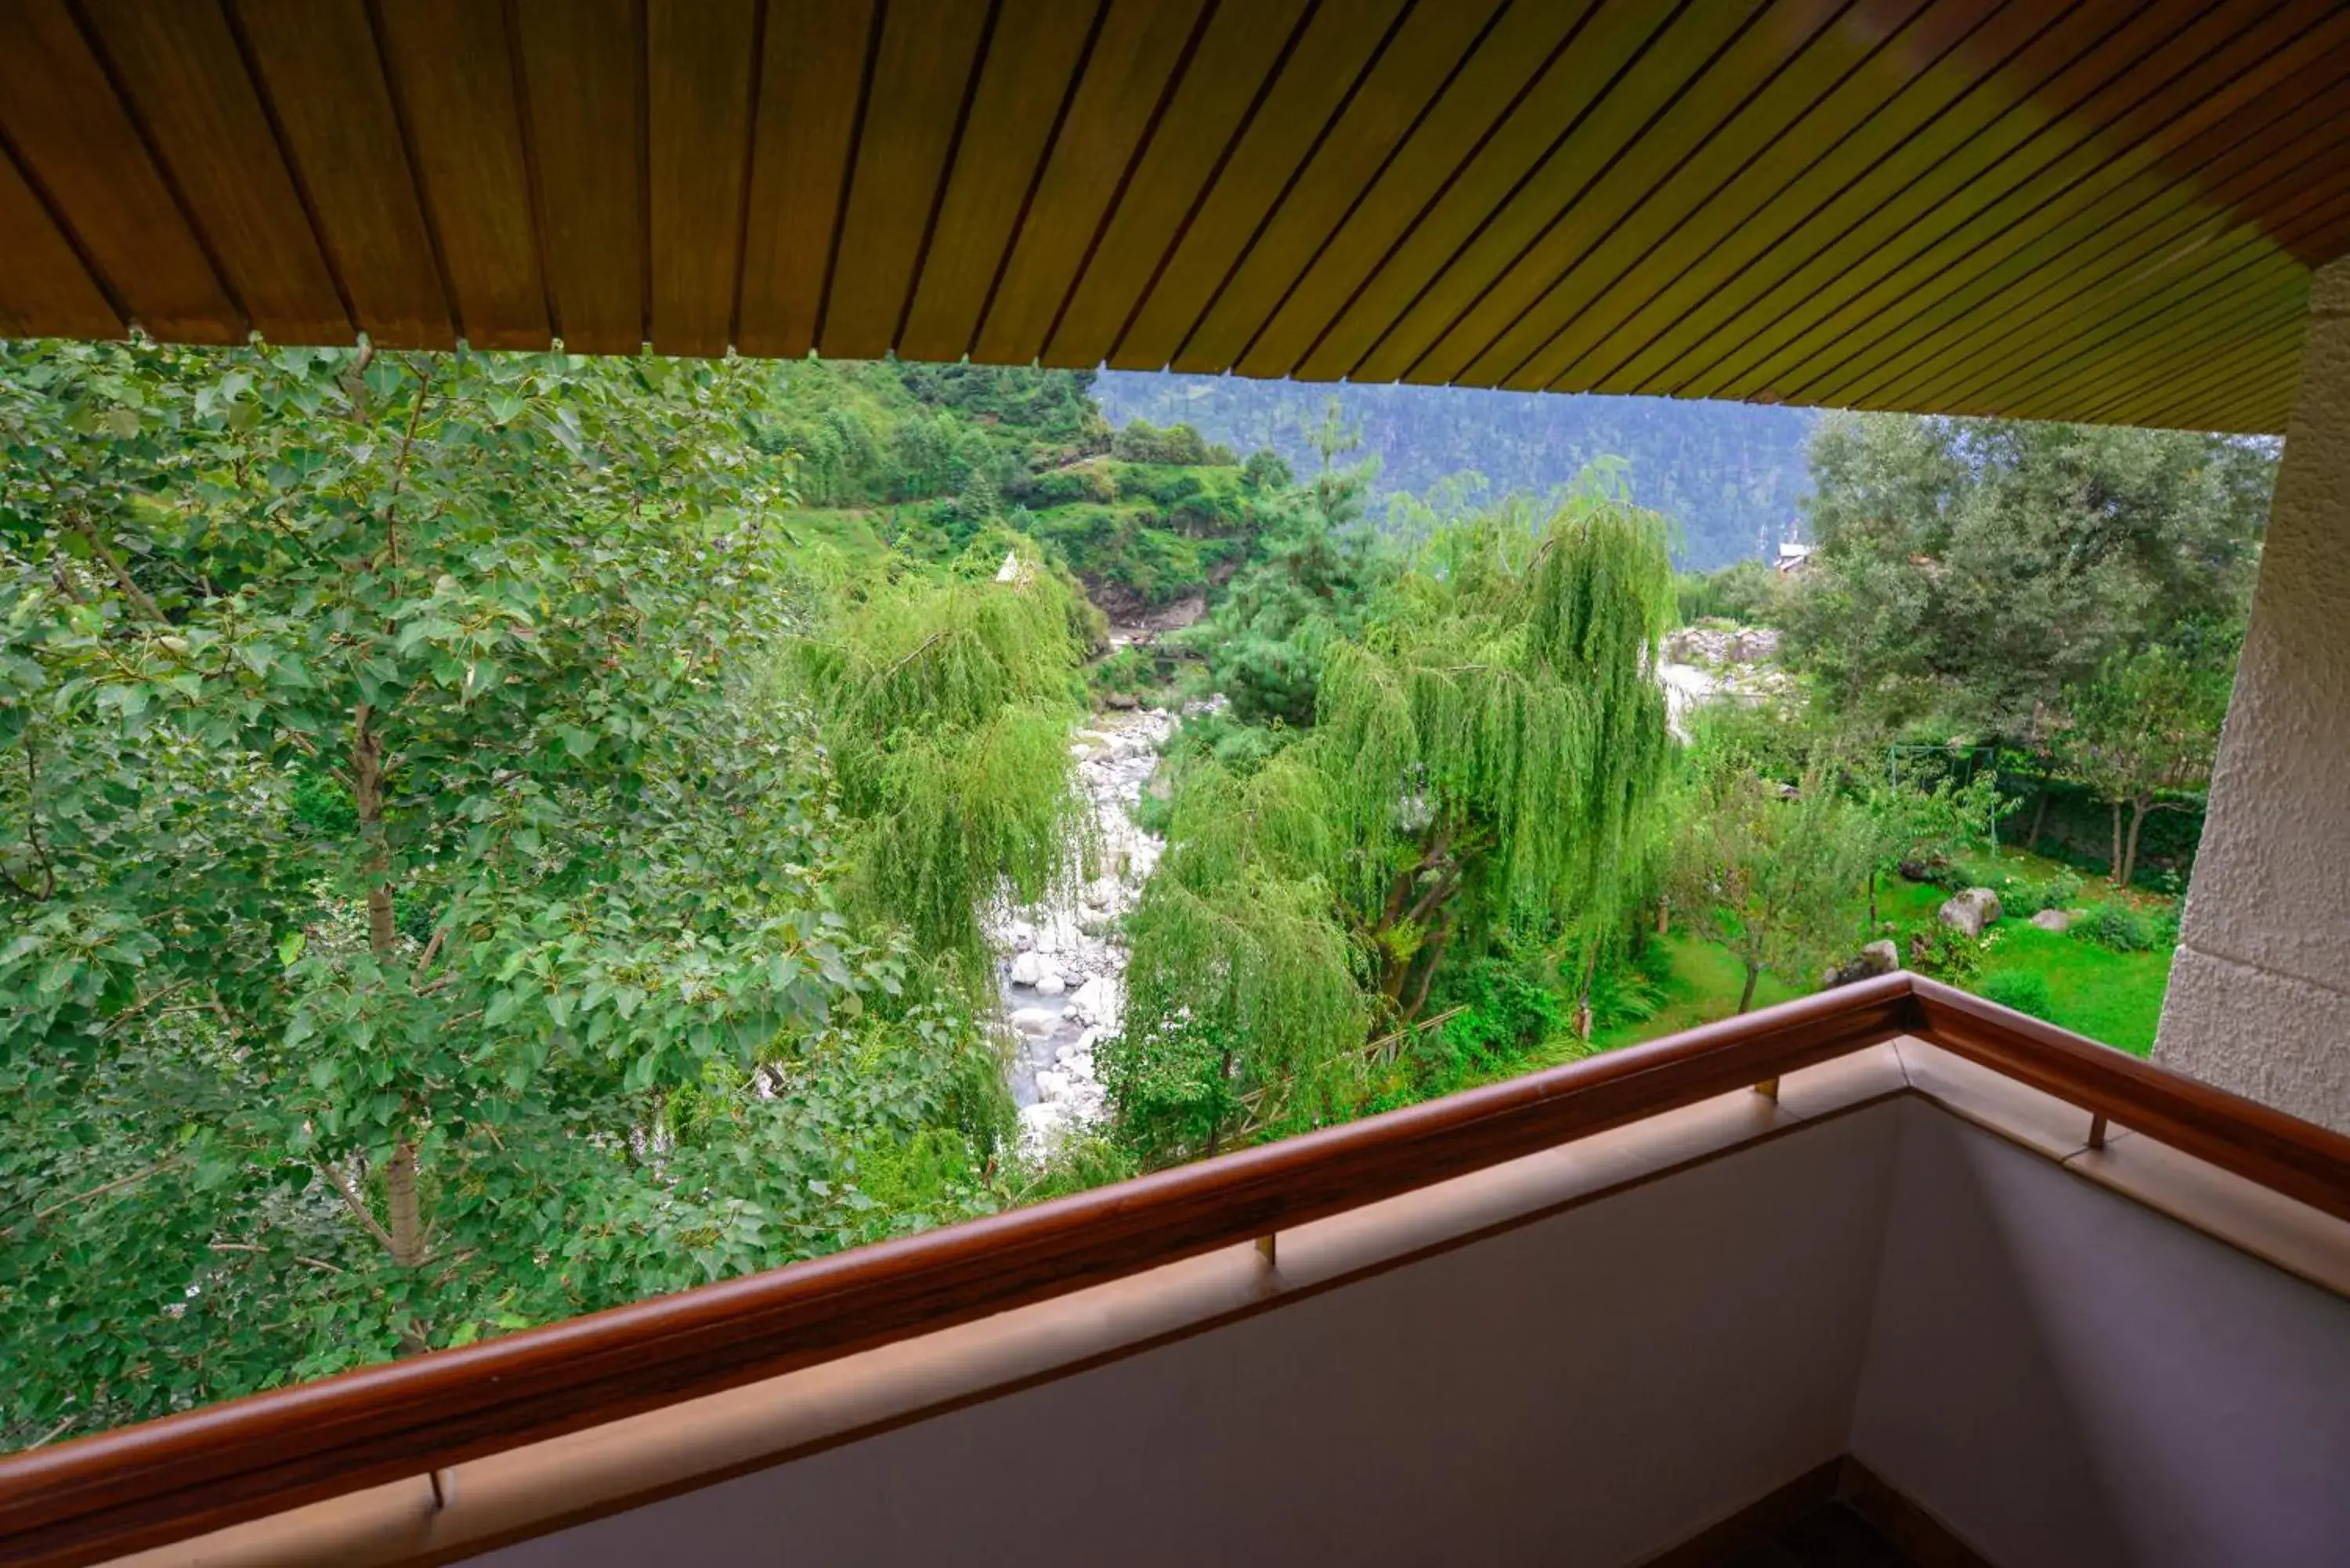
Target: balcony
[2015,1298]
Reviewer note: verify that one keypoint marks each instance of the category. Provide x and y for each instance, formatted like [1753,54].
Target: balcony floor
[1830,1536]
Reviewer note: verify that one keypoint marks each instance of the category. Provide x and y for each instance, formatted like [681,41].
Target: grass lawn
[2114,997]
[1701,985]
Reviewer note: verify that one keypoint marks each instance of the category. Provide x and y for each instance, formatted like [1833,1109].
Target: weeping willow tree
[1489,753]
[945,703]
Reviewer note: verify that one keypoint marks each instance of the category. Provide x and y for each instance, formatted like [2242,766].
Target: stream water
[1061,973]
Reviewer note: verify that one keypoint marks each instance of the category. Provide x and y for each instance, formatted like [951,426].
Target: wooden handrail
[114,1492]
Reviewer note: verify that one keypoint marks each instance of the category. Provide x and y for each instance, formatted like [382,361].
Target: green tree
[1487,754]
[1971,571]
[1768,869]
[1909,821]
[2147,726]
[421,913]
[946,704]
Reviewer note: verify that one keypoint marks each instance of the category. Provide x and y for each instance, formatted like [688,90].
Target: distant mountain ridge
[1733,474]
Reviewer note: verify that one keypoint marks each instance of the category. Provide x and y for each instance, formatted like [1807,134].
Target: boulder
[1118,700]
[1027,967]
[1050,983]
[1098,999]
[1916,870]
[1970,911]
[1037,1019]
[1877,958]
[2052,921]
[1042,1128]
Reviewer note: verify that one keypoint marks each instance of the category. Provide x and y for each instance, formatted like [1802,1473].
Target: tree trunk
[1216,1125]
[400,1197]
[2138,808]
[367,800]
[1664,916]
[1433,951]
[1746,997]
[1872,901]
[2114,865]
[407,1234]
[2039,820]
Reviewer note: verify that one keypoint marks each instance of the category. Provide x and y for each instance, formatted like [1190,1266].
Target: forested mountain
[1730,473]
[920,457]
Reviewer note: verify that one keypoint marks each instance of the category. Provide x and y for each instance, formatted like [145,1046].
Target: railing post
[1266,1244]
[2097,1129]
[1769,1089]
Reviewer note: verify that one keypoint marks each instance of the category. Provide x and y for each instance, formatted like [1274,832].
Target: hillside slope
[925,457]
[1730,472]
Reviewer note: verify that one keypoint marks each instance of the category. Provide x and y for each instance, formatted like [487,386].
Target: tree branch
[116,1184]
[351,1200]
[130,590]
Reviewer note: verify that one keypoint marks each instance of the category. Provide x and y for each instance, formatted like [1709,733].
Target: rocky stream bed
[1062,964]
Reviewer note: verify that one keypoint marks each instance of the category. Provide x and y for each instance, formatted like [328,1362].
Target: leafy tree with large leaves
[1486,755]
[422,912]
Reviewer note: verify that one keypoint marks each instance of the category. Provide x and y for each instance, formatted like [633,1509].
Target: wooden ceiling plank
[2210,264]
[2266,407]
[1031,67]
[2047,339]
[1991,81]
[2315,226]
[2039,123]
[929,58]
[2196,76]
[1420,344]
[1935,107]
[701,58]
[2105,241]
[2135,216]
[1794,118]
[2182,391]
[1487,89]
[1739,102]
[453,73]
[2184,401]
[78,150]
[1510,155]
[800,153]
[318,67]
[44,289]
[1342,45]
[179,66]
[2150,358]
[2187,338]
[1127,82]
[1434,44]
[2239,262]
[1242,47]
[582,90]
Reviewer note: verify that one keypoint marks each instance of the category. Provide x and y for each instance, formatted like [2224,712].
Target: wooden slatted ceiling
[2077,208]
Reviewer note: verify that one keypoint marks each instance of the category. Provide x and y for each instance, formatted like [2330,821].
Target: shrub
[2118,926]
[2021,898]
[1945,953]
[2024,990]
